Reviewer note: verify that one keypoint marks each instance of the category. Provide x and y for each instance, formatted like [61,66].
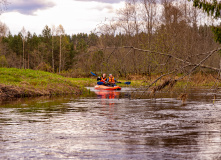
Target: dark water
[109,126]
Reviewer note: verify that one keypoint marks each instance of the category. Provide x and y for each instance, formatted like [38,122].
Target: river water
[109,125]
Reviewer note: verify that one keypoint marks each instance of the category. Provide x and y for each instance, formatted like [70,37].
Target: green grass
[13,76]
[85,82]
[32,82]
[21,82]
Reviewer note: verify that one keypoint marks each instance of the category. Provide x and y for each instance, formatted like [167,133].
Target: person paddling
[103,78]
[111,80]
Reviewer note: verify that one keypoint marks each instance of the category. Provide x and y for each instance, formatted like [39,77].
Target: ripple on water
[110,126]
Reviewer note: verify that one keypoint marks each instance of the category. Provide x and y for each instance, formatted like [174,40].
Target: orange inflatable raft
[103,87]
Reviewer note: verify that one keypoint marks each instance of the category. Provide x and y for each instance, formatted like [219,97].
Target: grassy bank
[25,83]
[195,80]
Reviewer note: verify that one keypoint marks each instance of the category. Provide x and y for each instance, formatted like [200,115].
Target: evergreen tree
[213,8]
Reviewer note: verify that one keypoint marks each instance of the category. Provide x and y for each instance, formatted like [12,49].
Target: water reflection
[107,101]
[109,126]
[107,94]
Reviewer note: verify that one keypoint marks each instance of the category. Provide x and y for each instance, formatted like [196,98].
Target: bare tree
[60,32]
[3,5]
[149,17]
[125,18]
[24,34]
[3,29]
[52,45]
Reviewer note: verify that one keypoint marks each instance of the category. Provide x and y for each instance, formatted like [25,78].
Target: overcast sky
[74,15]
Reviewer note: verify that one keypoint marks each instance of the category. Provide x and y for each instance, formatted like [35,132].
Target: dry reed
[167,82]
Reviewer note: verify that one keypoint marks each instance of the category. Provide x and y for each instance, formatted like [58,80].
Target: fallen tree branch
[155,81]
[174,57]
[172,82]
[209,55]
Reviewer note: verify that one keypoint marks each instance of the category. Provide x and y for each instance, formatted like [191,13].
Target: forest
[145,37]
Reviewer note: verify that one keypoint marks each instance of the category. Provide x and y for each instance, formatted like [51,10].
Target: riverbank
[199,79]
[31,83]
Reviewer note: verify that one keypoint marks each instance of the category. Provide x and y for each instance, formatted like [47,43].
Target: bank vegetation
[16,83]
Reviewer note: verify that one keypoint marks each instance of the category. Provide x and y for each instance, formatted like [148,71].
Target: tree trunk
[28,60]
[60,56]
[23,54]
[220,67]
[20,61]
[52,50]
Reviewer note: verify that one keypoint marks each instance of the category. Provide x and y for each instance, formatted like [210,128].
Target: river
[109,125]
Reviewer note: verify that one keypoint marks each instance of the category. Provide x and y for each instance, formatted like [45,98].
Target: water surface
[109,125]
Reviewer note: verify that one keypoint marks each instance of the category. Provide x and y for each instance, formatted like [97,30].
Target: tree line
[52,48]
[143,38]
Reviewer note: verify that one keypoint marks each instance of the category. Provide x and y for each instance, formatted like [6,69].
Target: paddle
[100,83]
[93,74]
[128,83]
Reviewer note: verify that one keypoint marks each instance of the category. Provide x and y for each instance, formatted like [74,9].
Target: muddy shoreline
[7,91]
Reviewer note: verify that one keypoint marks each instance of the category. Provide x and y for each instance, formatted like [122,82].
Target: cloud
[28,7]
[103,7]
[102,1]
